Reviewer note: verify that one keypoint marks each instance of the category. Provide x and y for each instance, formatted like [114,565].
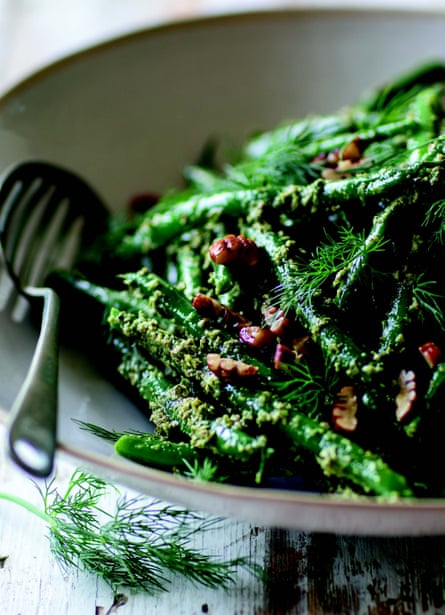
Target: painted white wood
[32,582]
[307,573]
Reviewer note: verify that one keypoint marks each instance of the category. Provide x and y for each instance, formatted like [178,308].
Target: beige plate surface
[128,115]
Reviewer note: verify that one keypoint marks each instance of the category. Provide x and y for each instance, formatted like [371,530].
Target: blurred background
[36,32]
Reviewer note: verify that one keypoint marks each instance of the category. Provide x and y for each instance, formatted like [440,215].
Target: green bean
[179,354]
[189,270]
[346,279]
[324,134]
[421,175]
[165,221]
[301,429]
[356,363]
[223,282]
[408,124]
[303,132]
[436,384]
[343,458]
[154,452]
[162,223]
[428,113]
[393,336]
[170,303]
[165,299]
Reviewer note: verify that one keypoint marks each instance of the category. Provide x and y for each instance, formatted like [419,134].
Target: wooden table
[307,573]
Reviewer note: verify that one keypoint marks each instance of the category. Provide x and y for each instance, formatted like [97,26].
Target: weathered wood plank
[32,582]
[319,574]
[326,574]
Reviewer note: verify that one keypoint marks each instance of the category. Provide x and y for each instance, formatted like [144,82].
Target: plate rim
[149,30]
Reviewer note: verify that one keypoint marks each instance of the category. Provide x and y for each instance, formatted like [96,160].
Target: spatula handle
[33,426]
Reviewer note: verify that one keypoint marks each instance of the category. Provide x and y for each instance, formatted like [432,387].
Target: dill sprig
[140,545]
[307,390]
[110,435]
[392,105]
[281,166]
[327,264]
[430,302]
[435,218]
[203,470]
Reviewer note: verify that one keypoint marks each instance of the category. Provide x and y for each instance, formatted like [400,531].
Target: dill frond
[306,389]
[430,302]
[321,272]
[136,544]
[435,218]
[280,166]
[103,433]
[205,470]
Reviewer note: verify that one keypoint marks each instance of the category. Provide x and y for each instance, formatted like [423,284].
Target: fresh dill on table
[140,544]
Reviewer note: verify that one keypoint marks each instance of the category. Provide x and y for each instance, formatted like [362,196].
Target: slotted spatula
[46,214]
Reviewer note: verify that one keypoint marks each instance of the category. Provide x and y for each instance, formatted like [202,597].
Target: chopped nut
[333,157]
[234,248]
[276,320]
[256,336]
[338,162]
[229,369]
[331,174]
[345,409]
[207,307]
[407,394]
[301,345]
[431,353]
[352,151]
[283,356]
[344,165]
[139,203]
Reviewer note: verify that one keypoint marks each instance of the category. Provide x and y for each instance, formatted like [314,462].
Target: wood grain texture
[327,574]
[32,582]
[316,574]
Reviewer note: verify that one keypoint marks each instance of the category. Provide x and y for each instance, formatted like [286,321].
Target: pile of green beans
[280,316]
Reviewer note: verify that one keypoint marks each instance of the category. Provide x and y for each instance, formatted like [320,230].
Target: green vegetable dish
[280,317]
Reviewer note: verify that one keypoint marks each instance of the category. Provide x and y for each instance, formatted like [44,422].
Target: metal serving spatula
[46,214]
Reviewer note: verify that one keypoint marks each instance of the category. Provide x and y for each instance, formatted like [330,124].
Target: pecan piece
[234,248]
[207,307]
[344,412]
[276,320]
[301,345]
[407,394]
[229,369]
[353,150]
[431,353]
[283,355]
[255,336]
[339,162]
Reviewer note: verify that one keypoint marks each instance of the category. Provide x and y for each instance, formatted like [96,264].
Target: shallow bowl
[128,115]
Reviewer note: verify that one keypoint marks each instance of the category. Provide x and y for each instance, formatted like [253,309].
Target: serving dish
[127,115]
